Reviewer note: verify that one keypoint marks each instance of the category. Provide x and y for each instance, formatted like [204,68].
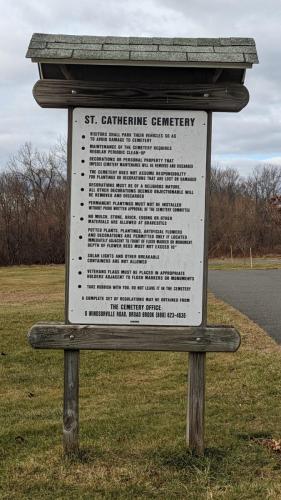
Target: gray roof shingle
[169,51]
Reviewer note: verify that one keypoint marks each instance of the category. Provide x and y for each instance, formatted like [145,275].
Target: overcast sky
[240,140]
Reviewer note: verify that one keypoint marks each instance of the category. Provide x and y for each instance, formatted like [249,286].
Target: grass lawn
[132,411]
[273,262]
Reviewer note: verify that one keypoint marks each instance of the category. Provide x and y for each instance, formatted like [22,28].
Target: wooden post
[71,402]
[196,406]
[197,361]
[71,357]
[231,254]
[251,258]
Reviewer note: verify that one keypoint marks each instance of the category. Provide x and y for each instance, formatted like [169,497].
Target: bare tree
[241,213]
[32,206]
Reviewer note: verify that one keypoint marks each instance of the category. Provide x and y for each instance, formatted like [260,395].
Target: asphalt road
[256,293]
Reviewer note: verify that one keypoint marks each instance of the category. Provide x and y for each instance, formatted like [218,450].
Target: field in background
[132,411]
[245,263]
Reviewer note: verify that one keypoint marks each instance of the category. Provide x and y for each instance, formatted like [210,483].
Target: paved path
[256,293]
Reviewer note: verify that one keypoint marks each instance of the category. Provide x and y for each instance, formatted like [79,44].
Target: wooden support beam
[217,73]
[197,361]
[66,72]
[213,97]
[71,402]
[196,402]
[134,338]
[71,357]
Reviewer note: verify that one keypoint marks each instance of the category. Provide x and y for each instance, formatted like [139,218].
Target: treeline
[32,207]
[242,212]
[33,197]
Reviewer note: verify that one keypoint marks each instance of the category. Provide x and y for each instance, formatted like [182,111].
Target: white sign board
[137,217]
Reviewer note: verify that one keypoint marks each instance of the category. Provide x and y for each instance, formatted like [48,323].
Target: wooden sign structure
[139,150]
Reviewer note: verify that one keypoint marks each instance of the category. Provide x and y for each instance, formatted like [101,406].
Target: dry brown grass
[253,337]
[133,412]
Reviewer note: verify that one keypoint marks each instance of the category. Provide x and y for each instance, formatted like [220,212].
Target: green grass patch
[132,411]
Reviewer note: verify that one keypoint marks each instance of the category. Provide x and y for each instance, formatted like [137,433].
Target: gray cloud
[253,134]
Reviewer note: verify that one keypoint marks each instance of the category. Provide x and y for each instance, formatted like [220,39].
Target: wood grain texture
[134,338]
[71,357]
[197,361]
[215,97]
[196,406]
[71,402]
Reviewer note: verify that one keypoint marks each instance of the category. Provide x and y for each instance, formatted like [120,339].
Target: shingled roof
[211,52]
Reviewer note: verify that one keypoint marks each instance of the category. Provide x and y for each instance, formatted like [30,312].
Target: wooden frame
[204,74]
[208,97]
[197,361]
[134,338]
[195,340]
[71,356]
